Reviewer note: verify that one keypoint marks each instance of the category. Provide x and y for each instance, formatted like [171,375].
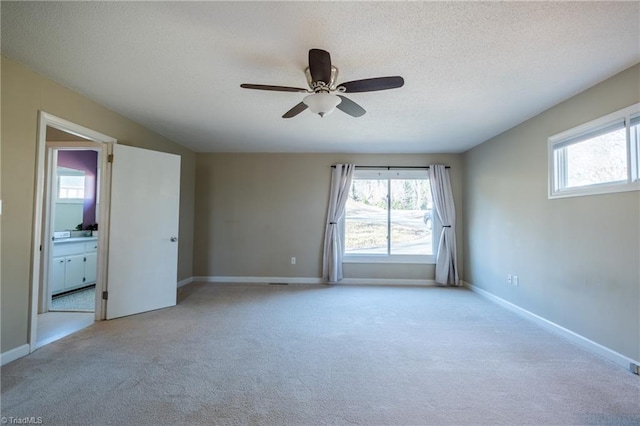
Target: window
[389,217]
[70,184]
[598,157]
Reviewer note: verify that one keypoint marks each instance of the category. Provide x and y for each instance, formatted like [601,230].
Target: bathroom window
[71,184]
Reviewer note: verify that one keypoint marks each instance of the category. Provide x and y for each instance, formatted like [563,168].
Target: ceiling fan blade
[350,107]
[295,110]
[373,84]
[320,65]
[273,88]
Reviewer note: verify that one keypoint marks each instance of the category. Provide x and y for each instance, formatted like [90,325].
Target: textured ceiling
[472,70]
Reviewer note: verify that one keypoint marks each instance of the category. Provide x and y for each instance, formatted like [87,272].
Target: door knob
[174,239]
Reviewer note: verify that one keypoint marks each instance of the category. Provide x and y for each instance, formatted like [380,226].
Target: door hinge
[105,295]
[110,158]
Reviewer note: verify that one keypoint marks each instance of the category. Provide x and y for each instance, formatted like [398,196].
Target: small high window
[598,157]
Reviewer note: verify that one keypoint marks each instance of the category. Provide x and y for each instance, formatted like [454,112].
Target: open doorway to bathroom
[67,296]
[73,215]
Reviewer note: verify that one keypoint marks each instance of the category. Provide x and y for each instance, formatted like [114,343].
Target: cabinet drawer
[67,249]
[91,247]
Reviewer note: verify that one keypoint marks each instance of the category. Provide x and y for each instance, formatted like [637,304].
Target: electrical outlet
[516,281]
[293,260]
[509,278]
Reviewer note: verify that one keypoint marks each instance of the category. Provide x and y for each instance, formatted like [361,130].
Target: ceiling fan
[321,77]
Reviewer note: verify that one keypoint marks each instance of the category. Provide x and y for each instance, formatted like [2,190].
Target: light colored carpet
[312,355]
[82,300]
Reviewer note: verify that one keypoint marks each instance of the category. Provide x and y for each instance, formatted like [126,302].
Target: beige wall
[255,211]
[577,258]
[23,94]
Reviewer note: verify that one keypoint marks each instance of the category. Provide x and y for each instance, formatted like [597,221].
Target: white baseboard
[13,354]
[185,281]
[576,338]
[259,280]
[312,280]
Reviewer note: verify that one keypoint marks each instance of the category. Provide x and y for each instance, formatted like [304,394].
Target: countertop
[74,240]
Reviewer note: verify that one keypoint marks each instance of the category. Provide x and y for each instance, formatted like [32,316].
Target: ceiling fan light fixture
[322,103]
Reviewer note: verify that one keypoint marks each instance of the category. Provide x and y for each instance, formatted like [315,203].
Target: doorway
[68,272]
[73,181]
[68,297]
[136,186]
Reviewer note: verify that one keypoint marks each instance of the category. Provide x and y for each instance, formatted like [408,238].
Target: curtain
[446,260]
[341,177]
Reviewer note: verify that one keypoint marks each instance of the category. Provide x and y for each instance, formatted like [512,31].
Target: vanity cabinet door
[74,274]
[58,274]
[90,267]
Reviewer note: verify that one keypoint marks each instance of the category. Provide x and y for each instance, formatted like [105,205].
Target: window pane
[411,221]
[600,159]
[71,187]
[366,217]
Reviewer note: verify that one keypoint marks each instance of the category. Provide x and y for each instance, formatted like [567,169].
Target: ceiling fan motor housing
[321,86]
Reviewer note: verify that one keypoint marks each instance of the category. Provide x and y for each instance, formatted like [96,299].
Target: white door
[143,231]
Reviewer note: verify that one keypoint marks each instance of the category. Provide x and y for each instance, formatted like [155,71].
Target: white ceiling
[472,70]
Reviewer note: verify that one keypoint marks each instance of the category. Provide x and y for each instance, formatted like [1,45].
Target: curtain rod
[393,167]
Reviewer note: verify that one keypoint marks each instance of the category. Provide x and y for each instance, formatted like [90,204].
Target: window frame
[557,164]
[436,227]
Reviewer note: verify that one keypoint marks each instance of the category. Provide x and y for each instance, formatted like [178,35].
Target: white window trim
[69,200]
[632,183]
[386,258]
[394,258]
